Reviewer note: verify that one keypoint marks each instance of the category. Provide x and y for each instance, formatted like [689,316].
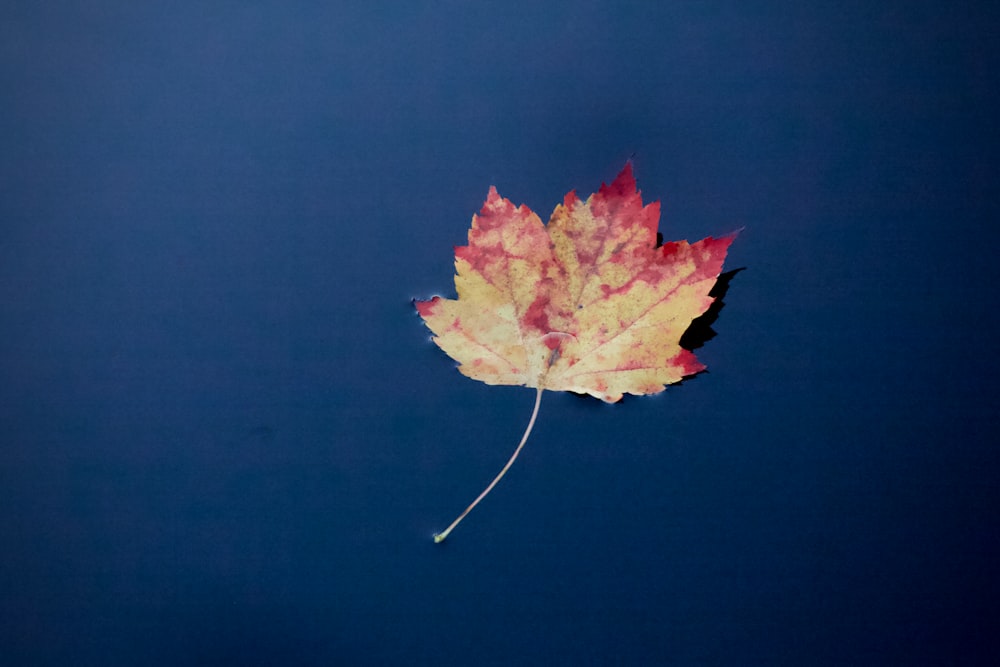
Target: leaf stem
[440,537]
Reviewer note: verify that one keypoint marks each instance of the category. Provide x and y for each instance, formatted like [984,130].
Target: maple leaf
[588,303]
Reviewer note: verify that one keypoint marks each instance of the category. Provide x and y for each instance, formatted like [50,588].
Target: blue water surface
[225,437]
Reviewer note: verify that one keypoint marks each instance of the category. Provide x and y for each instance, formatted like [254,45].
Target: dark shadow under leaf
[701,330]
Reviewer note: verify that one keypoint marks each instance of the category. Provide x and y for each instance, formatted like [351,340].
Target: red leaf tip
[624,182]
[426,308]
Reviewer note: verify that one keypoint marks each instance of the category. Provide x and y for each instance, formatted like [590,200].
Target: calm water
[225,437]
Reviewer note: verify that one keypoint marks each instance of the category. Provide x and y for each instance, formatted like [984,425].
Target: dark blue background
[225,436]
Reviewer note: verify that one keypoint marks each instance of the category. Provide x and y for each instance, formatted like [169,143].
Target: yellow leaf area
[587,303]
